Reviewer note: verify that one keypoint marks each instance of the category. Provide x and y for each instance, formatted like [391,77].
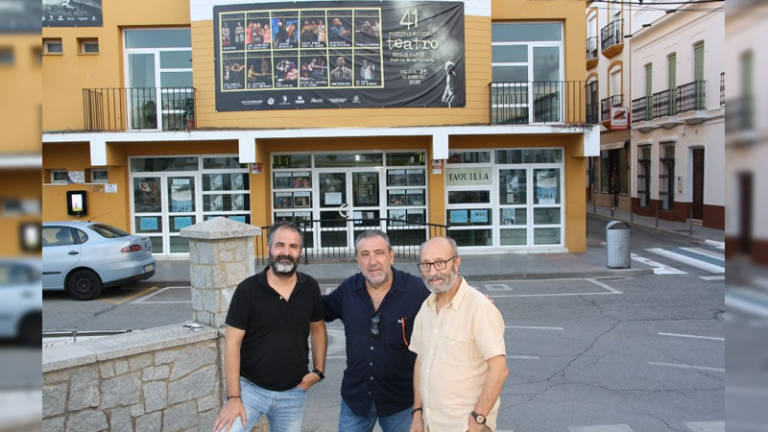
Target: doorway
[698,184]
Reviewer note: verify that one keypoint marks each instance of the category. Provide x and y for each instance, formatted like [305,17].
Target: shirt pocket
[395,335]
[456,351]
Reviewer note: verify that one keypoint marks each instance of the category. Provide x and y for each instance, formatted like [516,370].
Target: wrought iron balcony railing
[145,108]
[691,97]
[612,34]
[569,102]
[664,104]
[741,114]
[608,103]
[592,48]
[641,109]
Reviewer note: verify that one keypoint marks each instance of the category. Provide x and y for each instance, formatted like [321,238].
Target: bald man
[458,337]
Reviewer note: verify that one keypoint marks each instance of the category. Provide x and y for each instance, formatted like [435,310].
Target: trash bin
[617,245]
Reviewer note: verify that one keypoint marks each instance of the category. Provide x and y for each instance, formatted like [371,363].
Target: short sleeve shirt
[275,349]
[453,348]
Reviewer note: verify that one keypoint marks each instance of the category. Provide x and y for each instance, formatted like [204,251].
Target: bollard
[690,223]
[657,216]
[612,209]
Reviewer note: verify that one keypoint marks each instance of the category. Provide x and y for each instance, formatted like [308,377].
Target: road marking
[602,428]
[746,301]
[686,366]
[143,300]
[498,287]
[131,297]
[715,244]
[743,426]
[712,426]
[513,357]
[712,278]
[533,328]
[598,283]
[659,268]
[700,251]
[692,336]
[688,260]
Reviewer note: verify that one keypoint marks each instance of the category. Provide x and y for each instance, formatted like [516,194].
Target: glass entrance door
[182,211]
[348,203]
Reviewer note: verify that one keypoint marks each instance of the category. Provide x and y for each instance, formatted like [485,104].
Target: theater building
[471,117]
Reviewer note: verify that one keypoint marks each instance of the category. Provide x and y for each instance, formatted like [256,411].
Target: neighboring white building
[608,63]
[746,152]
[678,113]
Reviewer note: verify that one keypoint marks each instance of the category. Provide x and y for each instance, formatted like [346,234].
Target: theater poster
[72,13]
[311,55]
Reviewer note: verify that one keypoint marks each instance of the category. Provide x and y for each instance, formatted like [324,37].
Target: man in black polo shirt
[377,307]
[265,356]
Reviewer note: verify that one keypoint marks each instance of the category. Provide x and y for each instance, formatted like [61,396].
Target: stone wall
[164,379]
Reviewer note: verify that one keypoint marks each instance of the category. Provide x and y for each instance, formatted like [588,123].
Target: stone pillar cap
[220,228]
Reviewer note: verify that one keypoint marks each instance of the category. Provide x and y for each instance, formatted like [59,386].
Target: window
[59,176]
[107,231]
[644,175]
[88,46]
[99,176]
[615,83]
[57,236]
[667,177]
[53,46]
[7,57]
[524,52]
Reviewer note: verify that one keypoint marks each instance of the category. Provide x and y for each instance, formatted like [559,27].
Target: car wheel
[31,331]
[84,285]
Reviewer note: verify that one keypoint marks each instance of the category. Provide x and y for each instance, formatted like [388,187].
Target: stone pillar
[220,257]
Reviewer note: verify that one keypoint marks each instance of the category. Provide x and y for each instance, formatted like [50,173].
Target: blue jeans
[350,422]
[284,410]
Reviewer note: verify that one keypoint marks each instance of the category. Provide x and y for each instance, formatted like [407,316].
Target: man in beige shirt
[458,336]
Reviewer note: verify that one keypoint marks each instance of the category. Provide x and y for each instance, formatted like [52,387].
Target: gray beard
[448,285]
[281,269]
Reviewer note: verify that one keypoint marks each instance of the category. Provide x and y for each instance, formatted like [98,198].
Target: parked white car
[85,257]
[21,301]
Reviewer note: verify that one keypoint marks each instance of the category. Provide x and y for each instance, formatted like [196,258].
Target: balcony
[664,108]
[592,57]
[741,115]
[691,102]
[543,102]
[606,105]
[149,109]
[612,38]
[641,114]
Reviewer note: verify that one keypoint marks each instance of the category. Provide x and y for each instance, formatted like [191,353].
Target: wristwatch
[479,418]
[320,374]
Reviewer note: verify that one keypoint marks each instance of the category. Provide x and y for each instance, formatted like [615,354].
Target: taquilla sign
[468,177]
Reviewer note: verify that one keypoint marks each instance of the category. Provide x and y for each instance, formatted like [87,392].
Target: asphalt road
[610,355]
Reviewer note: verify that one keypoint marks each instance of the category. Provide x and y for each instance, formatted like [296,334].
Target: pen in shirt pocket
[401,321]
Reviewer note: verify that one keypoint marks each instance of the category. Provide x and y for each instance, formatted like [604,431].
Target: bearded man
[378,307]
[270,317]
[459,339]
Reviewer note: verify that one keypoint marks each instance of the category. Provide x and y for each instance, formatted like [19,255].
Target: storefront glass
[505,197]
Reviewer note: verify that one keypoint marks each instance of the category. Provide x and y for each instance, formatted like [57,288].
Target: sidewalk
[474,268]
[676,228]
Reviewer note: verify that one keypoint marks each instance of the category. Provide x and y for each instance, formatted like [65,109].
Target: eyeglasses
[375,325]
[439,265]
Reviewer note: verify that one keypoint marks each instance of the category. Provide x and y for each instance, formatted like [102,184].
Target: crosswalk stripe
[602,428]
[747,301]
[715,244]
[712,278]
[659,268]
[701,257]
[688,260]
[709,253]
[712,426]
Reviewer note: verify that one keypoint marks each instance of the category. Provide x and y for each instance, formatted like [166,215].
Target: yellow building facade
[503,173]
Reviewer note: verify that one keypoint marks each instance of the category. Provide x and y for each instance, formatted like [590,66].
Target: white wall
[202,10]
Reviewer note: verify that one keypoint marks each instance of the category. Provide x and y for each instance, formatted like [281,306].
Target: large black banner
[308,55]
[72,13]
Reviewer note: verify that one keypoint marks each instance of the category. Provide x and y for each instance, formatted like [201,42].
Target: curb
[639,225]
[478,277]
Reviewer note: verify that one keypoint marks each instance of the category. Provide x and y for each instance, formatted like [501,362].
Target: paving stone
[198,384]
[56,424]
[137,410]
[84,389]
[154,373]
[54,400]
[121,391]
[191,359]
[87,421]
[120,420]
[180,417]
[150,422]
[155,396]
[140,362]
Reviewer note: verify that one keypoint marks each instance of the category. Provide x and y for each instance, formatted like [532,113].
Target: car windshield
[107,231]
